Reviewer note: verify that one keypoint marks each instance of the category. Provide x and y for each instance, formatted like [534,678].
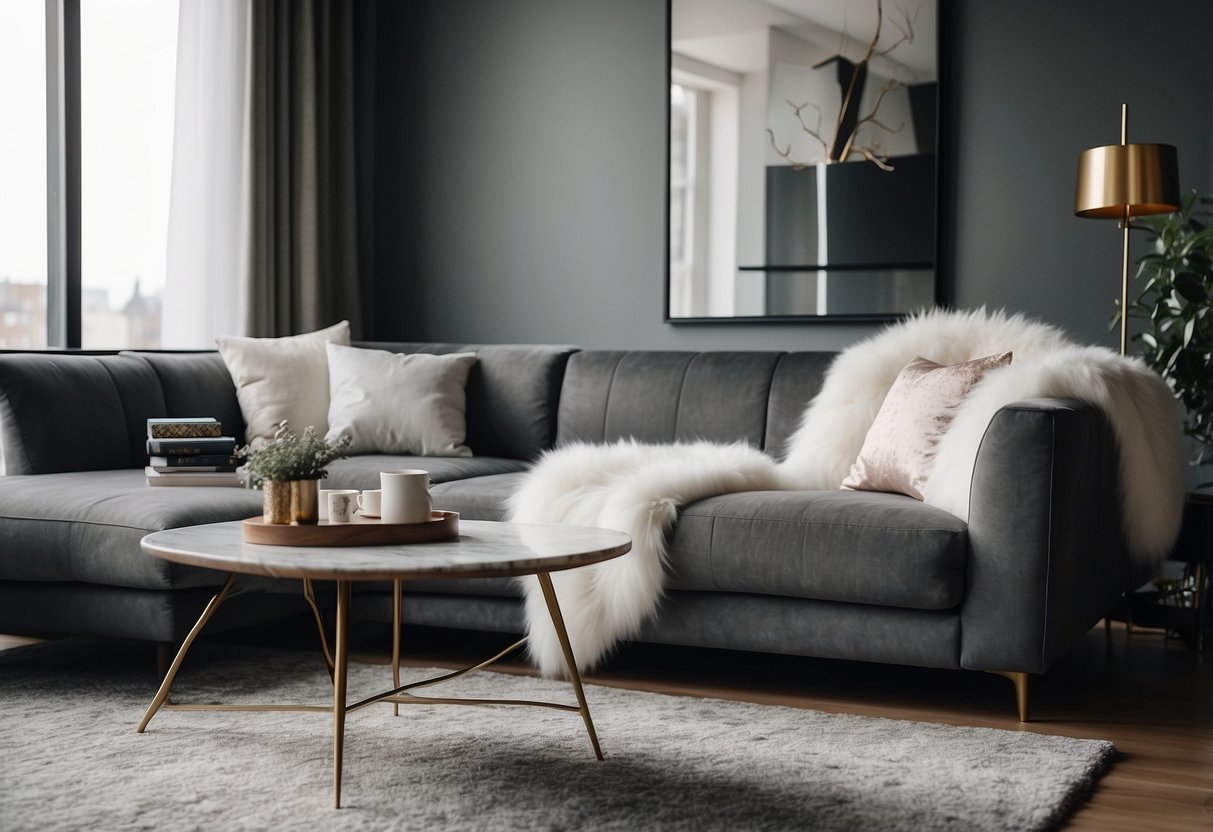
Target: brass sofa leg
[1020,680]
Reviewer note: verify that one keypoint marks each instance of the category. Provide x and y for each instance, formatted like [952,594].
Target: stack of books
[190,451]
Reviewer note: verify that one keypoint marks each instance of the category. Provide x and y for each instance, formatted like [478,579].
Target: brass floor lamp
[1122,181]
[1119,182]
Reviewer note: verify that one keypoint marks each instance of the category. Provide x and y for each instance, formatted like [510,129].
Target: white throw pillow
[391,403]
[281,378]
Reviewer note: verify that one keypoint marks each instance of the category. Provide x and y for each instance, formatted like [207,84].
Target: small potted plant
[289,470]
[1176,301]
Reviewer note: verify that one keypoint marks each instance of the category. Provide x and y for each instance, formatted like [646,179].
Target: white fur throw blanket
[639,488]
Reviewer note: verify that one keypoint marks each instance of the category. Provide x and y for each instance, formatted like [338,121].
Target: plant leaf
[1174,357]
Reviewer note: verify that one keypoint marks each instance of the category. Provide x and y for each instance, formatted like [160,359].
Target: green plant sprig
[1175,300]
[291,457]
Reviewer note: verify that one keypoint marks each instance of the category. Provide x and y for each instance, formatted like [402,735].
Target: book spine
[190,447]
[184,430]
[159,479]
[194,469]
[201,461]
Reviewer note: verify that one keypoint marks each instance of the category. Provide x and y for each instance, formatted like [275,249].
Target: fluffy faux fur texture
[1138,403]
[638,488]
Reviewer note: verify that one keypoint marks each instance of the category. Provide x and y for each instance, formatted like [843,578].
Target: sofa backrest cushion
[142,399]
[666,396]
[512,394]
[798,378]
[74,412]
[193,384]
[752,397]
[82,412]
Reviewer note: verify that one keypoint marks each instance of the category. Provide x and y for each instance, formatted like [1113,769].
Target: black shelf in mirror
[838,267]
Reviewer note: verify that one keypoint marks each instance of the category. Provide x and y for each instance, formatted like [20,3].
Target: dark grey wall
[527,202]
[1038,82]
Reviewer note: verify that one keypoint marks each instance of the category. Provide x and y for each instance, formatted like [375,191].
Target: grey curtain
[304,219]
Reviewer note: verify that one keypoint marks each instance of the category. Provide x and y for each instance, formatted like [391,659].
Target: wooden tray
[360,531]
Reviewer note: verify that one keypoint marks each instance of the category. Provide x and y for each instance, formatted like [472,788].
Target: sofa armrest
[1047,554]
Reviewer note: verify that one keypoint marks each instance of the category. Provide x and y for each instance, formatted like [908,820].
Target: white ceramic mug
[340,506]
[369,502]
[322,512]
[406,496]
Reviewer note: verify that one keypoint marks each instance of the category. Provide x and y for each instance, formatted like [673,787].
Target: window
[127,70]
[103,288]
[23,269]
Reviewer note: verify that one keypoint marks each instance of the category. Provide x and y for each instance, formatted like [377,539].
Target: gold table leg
[549,595]
[339,678]
[396,605]
[339,662]
[167,684]
[309,595]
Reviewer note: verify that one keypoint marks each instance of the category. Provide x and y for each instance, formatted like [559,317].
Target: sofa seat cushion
[478,498]
[86,527]
[363,471]
[854,546]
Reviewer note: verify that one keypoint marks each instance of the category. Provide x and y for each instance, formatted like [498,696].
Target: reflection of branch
[815,132]
[786,153]
[870,118]
[857,73]
[905,26]
[879,161]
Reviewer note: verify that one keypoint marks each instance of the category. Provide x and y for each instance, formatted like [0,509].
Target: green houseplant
[1175,301]
[288,470]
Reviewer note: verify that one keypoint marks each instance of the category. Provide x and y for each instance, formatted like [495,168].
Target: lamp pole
[1124,262]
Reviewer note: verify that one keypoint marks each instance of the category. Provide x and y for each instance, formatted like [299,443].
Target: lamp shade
[1137,178]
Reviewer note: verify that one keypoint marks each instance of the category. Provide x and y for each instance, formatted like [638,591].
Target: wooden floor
[1151,696]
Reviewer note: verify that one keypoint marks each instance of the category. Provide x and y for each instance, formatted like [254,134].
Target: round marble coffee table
[484,549]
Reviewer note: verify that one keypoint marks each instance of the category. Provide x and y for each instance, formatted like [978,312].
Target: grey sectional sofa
[835,574]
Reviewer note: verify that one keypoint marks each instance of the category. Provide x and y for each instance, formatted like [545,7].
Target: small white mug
[369,502]
[323,508]
[341,506]
[406,496]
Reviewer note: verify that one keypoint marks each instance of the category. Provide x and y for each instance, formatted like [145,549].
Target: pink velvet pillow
[899,451]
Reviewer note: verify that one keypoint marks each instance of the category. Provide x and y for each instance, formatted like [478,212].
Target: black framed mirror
[803,167]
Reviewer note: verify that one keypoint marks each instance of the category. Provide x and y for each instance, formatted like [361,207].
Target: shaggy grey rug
[70,757]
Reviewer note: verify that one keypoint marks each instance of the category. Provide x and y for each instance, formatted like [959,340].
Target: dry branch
[859,71]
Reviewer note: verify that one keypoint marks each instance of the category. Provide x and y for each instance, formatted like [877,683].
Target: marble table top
[483,549]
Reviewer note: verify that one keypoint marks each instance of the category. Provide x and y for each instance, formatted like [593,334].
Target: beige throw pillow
[899,450]
[393,403]
[281,378]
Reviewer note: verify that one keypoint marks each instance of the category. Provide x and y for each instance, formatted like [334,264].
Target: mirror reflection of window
[704,145]
[682,187]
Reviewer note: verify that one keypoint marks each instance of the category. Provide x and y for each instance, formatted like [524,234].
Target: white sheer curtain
[208,269]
